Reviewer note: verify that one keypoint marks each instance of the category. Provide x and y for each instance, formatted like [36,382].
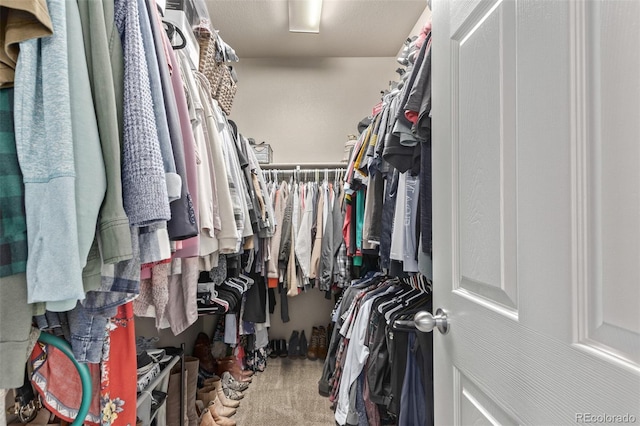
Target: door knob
[424,321]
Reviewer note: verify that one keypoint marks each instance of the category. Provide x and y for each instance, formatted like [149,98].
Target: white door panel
[483,167]
[474,407]
[608,166]
[536,204]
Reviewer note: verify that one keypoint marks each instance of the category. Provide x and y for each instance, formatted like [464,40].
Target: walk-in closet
[319,212]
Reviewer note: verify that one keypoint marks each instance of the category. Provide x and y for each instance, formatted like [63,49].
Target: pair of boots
[278,348]
[319,344]
[298,345]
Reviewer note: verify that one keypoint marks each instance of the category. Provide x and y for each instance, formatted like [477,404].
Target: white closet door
[536,177]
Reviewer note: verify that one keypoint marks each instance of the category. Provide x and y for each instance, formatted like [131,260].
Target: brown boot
[312,353]
[233,362]
[322,343]
[227,402]
[202,351]
[229,359]
[233,368]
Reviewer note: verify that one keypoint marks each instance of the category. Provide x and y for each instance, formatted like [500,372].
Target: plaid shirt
[341,273]
[13,225]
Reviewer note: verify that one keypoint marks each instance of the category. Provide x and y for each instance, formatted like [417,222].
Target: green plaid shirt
[13,225]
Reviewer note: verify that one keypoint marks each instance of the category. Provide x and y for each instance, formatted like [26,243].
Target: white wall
[305,108]
[306,310]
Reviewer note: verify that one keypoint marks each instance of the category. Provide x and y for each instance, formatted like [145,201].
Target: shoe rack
[154,396]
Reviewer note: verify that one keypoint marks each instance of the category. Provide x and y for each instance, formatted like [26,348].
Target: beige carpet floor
[285,394]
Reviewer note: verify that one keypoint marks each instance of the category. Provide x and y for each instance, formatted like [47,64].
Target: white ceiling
[351,28]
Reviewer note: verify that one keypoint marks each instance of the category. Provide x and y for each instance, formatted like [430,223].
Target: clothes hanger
[172,30]
[398,307]
[404,292]
[386,305]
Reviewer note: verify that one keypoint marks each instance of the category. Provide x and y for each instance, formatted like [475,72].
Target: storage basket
[226,90]
[264,153]
[208,65]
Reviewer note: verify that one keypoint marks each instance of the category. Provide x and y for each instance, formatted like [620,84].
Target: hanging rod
[303,166]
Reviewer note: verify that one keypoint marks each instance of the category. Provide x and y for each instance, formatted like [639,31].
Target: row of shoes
[149,364]
[221,383]
[218,400]
[299,347]
[210,366]
[278,348]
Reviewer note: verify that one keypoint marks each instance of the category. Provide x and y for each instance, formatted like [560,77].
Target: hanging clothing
[178,64]
[303,239]
[173,180]
[118,371]
[56,379]
[15,313]
[208,203]
[228,237]
[45,152]
[316,251]
[105,66]
[13,239]
[20,21]
[144,184]
[181,226]
[280,202]
[413,410]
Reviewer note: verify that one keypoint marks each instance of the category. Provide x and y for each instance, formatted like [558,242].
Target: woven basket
[207,65]
[226,90]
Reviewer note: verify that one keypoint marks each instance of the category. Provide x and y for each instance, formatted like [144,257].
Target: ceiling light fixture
[304,16]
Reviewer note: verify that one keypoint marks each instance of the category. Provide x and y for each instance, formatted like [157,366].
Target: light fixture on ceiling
[304,16]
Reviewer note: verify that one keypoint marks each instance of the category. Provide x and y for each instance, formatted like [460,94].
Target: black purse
[27,402]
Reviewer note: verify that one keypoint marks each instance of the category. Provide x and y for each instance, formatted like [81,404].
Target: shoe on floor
[230,382]
[303,345]
[312,353]
[283,348]
[294,345]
